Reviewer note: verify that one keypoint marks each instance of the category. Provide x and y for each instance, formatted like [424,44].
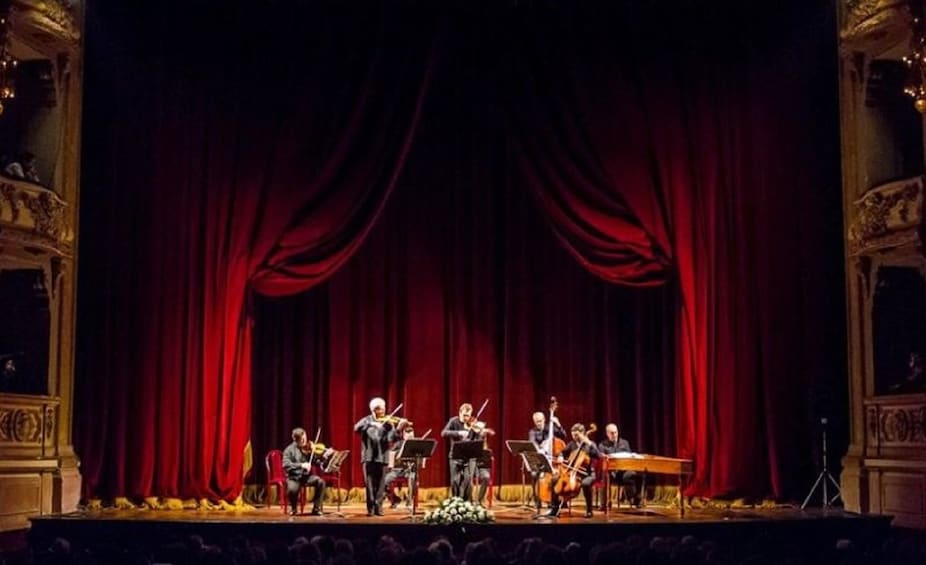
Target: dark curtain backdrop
[235,150]
[661,152]
[546,152]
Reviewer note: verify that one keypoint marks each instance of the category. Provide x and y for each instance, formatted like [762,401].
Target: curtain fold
[656,154]
[397,167]
[261,165]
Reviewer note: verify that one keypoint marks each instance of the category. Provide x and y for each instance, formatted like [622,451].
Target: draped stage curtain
[245,167]
[652,163]
[545,153]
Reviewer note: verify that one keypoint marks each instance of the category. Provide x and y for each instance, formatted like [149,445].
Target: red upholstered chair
[402,482]
[331,480]
[275,476]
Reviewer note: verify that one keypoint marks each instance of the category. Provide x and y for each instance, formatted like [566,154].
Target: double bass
[573,470]
[552,448]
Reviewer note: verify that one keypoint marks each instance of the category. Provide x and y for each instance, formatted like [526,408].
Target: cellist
[583,452]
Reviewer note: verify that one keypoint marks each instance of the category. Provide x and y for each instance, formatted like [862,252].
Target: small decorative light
[916,64]
[7,63]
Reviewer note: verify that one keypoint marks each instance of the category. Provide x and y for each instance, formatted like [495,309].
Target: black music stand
[519,448]
[333,467]
[469,451]
[414,451]
[538,464]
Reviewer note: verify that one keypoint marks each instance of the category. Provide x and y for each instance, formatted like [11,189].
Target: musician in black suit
[630,480]
[540,436]
[297,462]
[463,428]
[377,431]
[585,472]
[400,469]
[540,433]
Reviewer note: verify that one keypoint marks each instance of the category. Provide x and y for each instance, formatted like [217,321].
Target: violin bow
[481,408]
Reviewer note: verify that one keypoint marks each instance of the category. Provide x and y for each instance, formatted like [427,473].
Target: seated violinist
[297,462]
[399,469]
[578,457]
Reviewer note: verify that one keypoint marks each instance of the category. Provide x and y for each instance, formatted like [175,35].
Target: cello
[572,472]
[552,448]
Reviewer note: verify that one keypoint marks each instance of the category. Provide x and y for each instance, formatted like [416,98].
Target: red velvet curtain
[260,160]
[461,294]
[260,154]
[688,162]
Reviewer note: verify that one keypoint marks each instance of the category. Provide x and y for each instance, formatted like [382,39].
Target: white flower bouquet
[458,511]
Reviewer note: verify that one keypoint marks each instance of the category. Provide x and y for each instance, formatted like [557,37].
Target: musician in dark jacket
[630,480]
[400,469]
[540,436]
[377,433]
[297,462]
[461,428]
[540,433]
[585,473]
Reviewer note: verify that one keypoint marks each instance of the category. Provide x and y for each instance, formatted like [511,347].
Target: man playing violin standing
[377,431]
[297,462]
[465,428]
[585,470]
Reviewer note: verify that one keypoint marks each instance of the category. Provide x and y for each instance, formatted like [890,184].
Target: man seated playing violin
[575,469]
[399,469]
[297,462]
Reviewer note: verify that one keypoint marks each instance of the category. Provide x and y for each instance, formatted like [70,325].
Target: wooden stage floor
[513,523]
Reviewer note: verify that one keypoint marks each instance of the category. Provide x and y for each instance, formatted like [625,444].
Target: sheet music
[625,455]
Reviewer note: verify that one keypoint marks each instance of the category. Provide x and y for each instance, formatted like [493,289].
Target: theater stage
[513,523]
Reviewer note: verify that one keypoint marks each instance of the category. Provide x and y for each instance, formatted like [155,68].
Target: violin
[478,427]
[394,420]
[318,448]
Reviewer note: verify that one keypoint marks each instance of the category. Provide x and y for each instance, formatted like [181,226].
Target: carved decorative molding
[35,217]
[887,216]
[27,424]
[48,213]
[874,26]
[896,424]
[46,24]
[863,270]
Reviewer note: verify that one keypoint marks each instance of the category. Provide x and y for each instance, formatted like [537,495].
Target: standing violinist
[580,444]
[377,431]
[465,428]
[297,462]
[540,436]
